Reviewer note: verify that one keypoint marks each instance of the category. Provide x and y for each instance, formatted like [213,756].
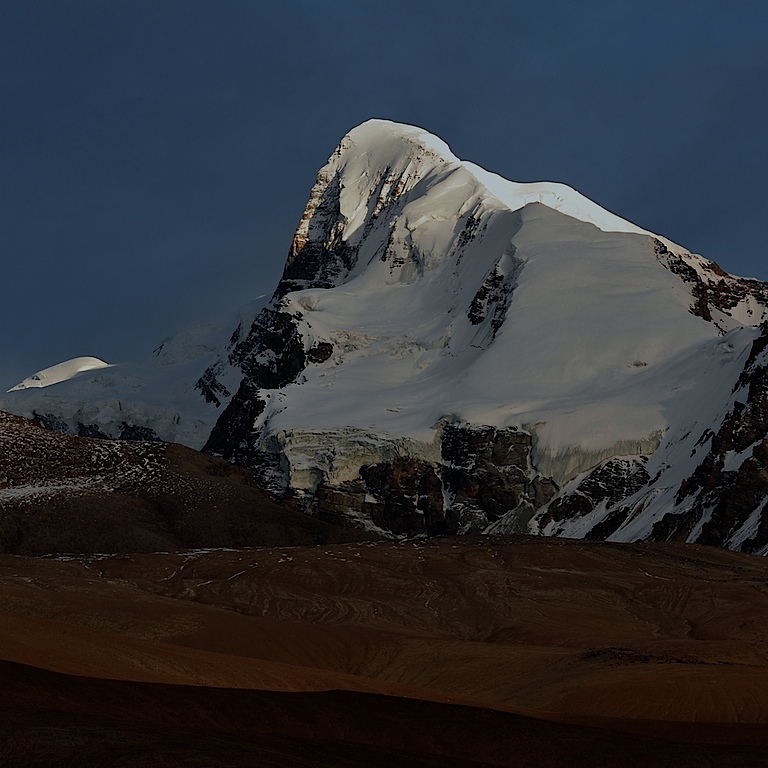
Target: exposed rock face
[715,293]
[270,356]
[402,497]
[487,473]
[607,485]
[492,299]
[127,431]
[722,502]
[482,474]
[319,255]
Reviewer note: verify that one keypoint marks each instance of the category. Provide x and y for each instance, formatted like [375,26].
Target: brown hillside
[455,652]
[60,493]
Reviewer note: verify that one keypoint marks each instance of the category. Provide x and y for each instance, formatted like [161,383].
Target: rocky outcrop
[127,430]
[319,254]
[401,498]
[494,296]
[487,474]
[606,486]
[716,294]
[722,502]
[270,356]
[481,475]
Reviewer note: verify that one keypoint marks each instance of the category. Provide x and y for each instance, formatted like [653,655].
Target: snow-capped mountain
[448,351]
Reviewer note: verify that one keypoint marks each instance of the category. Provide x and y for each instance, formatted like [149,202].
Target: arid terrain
[60,493]
[492,651]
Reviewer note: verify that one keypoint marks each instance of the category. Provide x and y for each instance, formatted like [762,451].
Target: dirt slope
[60,493]
[368,654]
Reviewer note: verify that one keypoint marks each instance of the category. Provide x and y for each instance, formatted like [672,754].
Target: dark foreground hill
[456,652]
[58,720]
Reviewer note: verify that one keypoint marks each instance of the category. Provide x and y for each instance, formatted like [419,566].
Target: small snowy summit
[451,352]
[60,372]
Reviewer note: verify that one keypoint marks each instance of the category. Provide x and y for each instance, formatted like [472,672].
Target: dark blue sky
[156,155]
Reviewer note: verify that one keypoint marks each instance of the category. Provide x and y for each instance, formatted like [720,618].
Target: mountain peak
[434,319]
[378,134]
[386,143]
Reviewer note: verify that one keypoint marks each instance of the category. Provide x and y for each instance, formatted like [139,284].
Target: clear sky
[156,155]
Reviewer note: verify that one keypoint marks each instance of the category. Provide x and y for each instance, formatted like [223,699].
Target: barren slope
[60,493]
[522,623]
[663,641]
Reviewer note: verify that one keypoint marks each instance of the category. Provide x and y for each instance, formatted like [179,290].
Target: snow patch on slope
[560,197]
